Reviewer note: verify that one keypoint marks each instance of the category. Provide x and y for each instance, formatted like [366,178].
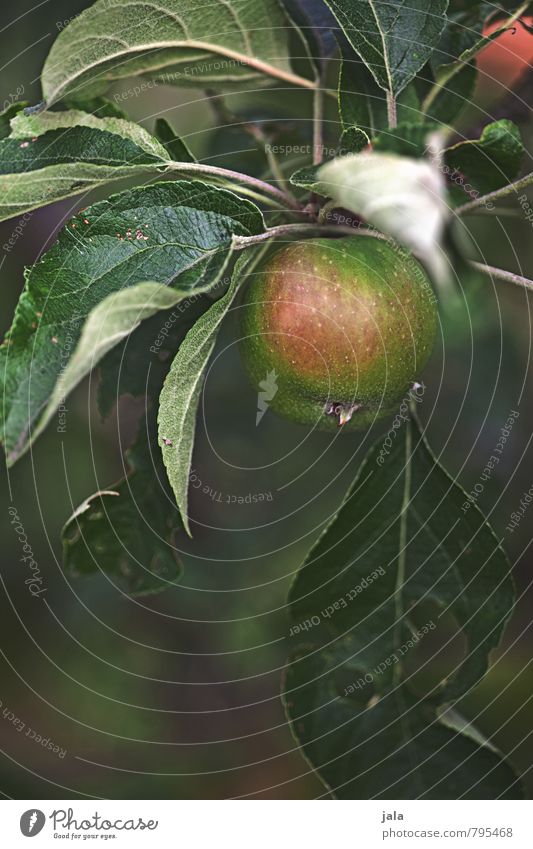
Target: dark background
[177,695]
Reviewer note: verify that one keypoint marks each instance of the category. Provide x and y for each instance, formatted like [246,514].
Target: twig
[318,121]
[517,186]
[392,114]
[229,119]
[304,230]
[500,274]
[227,174]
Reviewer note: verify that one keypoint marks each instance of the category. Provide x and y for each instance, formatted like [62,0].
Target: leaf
[55,155]
[449,100]
[8,114]
[32,127]
[396,747]
[362,103]
[394,39]
[176,41]
[317,26]
[405,140]
[99,106]
[142,360]
[173,144]
[446,74]
[404,514]
[352,140]
[111,321]
[163,232]
[181,392]
[127,532]
[493,160]
[400,544]
[402,197]
[463,28]
[307,178]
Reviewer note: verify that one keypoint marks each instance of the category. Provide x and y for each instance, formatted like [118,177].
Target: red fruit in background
[508,56]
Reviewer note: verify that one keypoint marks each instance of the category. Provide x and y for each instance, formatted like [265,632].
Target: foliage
[404,74]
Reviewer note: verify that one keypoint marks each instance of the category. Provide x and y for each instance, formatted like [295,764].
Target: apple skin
[339,328]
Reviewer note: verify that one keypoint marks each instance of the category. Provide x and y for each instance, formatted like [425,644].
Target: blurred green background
[177,695]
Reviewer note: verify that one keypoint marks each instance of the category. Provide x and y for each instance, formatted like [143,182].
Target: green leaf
[24,127]
[55,155]
[493,160]
[394,39]
[448,100]
[463,28]
[307,178]
[181,392]
[317,27]
[352,140]
[99,106]
[114,319]
[405,140]
[405,514]
[401,552]
[8,114]
[167,232]
[173,144]
[446,82]
[127,532]
[362,102]
[176,41]
[391,747]
[141,361]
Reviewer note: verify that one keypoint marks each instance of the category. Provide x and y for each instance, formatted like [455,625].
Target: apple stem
[343,412]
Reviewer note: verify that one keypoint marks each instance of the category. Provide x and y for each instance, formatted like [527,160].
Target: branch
[517,186]
[318,119]
[235,177]
[304,230]
[500,274]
